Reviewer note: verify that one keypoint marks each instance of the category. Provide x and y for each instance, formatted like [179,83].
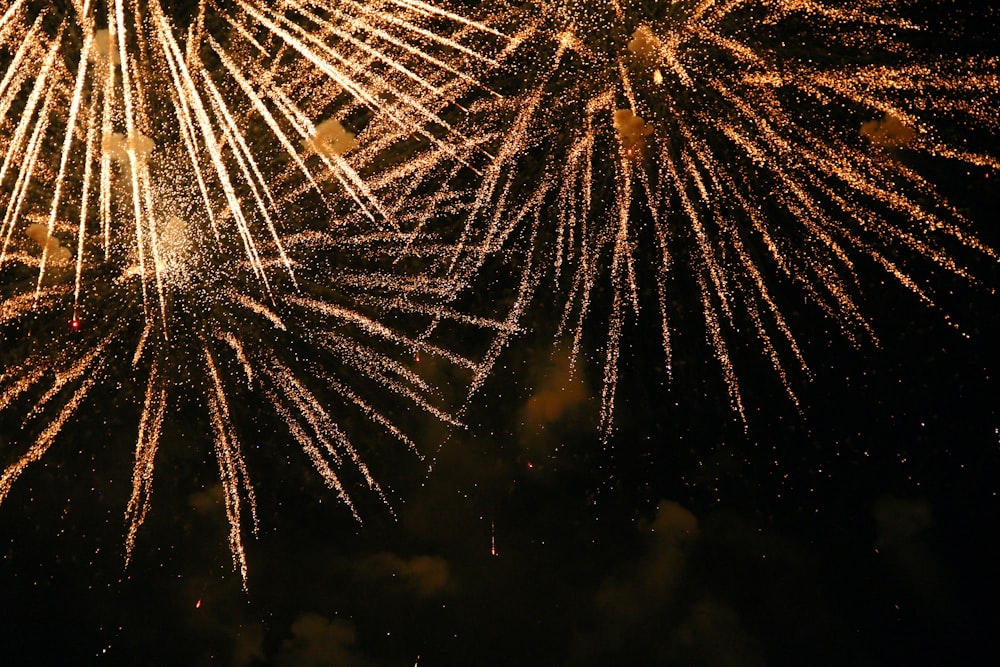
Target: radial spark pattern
[722,148]
[188,224]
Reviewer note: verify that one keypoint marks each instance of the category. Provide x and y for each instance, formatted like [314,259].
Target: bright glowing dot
[331,138]
[74,324]
[888,132]
[645,44]
[104,50]
[632,129]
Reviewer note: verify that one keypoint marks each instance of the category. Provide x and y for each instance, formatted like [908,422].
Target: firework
[729,147]
[188,224]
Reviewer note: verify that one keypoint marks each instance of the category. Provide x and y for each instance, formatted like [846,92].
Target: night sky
[856,530]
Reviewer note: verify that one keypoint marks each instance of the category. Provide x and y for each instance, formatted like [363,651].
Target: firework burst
[731,146]
[188,220]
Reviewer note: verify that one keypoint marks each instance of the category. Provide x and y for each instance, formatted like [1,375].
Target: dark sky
[858,531]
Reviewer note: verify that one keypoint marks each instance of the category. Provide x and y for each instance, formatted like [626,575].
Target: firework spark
[654,145]
[171,196]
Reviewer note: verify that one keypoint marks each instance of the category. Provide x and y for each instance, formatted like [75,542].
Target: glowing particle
[117,147]
[331,139]
[645,44]
[632,130]
[888,132]
[104,50]
[39,233]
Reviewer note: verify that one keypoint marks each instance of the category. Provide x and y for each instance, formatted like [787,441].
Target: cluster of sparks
[289,199]
[170,198]
[686,148]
